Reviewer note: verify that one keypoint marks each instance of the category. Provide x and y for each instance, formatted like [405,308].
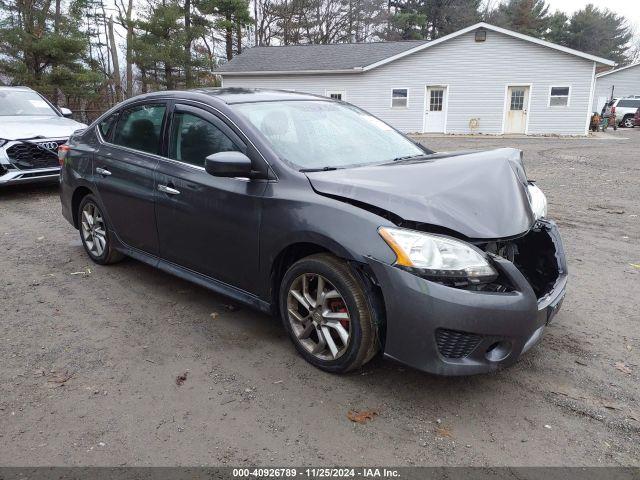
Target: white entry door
[435,114]
[517,104]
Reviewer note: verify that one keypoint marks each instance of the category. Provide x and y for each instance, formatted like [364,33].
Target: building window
[517,99]
[559,96]
[400,98]
[436,99]
[336,94]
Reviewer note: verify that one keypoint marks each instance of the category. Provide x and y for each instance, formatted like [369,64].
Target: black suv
[314,210]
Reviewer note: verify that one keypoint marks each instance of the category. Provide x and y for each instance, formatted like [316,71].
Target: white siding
[477,75]
[626,82]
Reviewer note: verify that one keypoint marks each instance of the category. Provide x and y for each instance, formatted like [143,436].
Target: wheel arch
[286,257]
[78,194]
[293,252]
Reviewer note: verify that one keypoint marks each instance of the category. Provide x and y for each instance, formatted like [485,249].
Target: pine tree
[530,17]
[599,32]
[45,49]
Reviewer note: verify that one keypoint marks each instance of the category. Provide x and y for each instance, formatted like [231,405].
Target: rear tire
[628,122]
[96,237]
[324,309]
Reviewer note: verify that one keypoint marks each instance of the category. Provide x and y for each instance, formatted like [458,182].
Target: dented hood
[482,195]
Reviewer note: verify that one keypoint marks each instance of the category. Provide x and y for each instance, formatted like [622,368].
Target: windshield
[319,134]
[20,102]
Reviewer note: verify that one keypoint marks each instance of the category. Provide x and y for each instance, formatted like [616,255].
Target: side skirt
[197,278]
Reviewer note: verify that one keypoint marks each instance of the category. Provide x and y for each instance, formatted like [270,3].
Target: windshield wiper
[408,157]
[321,169]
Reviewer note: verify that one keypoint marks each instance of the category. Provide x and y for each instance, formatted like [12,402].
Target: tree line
[90,54]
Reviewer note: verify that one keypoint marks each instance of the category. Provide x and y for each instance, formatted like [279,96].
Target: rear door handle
[169,190]
[103,171]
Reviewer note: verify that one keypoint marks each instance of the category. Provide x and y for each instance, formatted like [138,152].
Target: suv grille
[454,344]
[28,156]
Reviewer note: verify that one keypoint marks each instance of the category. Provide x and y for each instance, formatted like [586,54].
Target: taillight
[62,153]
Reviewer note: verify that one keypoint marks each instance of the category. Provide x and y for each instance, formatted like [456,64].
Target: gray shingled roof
[290,58]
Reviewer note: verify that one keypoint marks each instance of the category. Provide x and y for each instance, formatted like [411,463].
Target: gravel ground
[90,354]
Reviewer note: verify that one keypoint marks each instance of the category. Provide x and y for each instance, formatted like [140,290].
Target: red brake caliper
[338,306]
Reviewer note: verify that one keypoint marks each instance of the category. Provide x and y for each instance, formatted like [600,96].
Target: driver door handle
[169,190]
[103,171]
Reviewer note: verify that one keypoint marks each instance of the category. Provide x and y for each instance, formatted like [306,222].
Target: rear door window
[140,128]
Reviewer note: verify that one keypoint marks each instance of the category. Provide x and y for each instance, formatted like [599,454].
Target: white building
[619,83]
[482,79]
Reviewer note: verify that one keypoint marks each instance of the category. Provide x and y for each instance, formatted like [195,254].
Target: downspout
[591,93]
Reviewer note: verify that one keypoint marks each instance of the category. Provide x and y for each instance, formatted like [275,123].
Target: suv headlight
[437,256]
[538,201]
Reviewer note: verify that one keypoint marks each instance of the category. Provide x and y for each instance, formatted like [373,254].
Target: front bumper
[450,331]
[14,176]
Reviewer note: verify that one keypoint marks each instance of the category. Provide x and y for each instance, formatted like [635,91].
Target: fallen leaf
[180,379]
[623,368]
[61,378]
[214,315]
[361,417]
[635,265]
[444,432]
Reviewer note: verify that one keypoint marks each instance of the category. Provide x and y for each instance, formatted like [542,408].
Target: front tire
[94,233]
[326,313]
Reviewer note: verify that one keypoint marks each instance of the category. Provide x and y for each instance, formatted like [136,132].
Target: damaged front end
[479,271]
[538,255]
[461,327]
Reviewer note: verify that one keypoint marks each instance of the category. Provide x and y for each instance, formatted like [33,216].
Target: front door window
[193,139]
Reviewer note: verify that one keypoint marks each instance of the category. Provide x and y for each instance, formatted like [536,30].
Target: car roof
[242,95]
[6,87]
[233,95]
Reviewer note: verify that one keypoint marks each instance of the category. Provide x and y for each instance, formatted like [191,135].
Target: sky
[629,8]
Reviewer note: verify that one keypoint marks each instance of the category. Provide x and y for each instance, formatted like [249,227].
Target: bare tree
[117,81]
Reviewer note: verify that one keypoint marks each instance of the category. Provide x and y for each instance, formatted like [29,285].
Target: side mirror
[66,112]
[228,164]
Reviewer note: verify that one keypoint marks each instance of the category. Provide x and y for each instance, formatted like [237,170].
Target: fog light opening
[498,351]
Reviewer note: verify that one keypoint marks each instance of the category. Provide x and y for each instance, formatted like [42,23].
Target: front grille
[27,156]
[455,344]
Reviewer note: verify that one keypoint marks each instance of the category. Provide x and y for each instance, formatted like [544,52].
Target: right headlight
[538,201]
[437,256]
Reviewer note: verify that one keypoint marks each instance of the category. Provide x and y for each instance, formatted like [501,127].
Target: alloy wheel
[318,316]
[94,231]
[629,122]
